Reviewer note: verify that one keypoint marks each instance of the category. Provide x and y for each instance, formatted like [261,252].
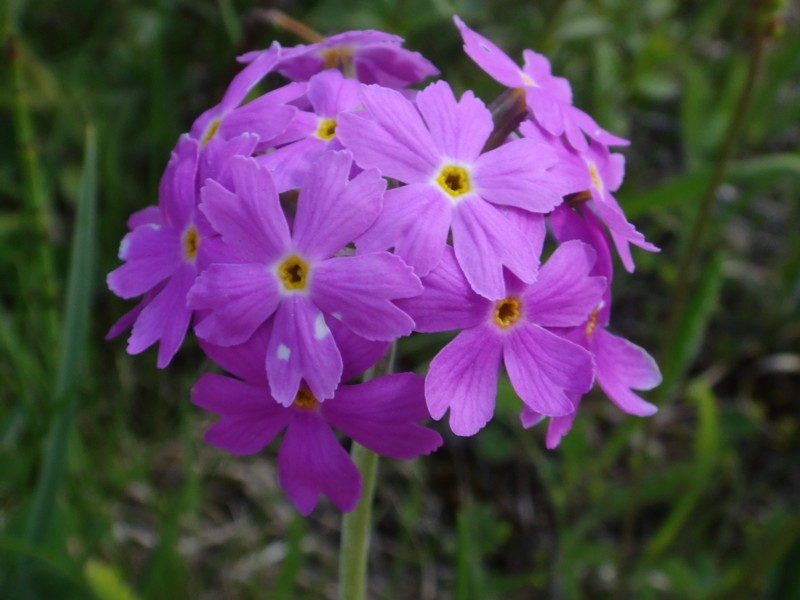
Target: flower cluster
[301,232]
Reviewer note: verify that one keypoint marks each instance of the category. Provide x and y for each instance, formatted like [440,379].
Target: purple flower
[381,414]
[294,278]
[370,56]
[549,98]
[620,366]
[600,172]
[311,133]
[267,116]
[545,369]
[161,256]
[435,147]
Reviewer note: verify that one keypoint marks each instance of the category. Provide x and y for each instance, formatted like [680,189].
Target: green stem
[357,525]
[692,255]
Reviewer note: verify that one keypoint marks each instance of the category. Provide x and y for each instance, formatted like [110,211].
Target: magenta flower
[294,278]
[620,366]
[435,147]
[600,172]
[311,133]
[545,369]
[161,256]
[381,414]
[266,116]
[369,56]
[548,97]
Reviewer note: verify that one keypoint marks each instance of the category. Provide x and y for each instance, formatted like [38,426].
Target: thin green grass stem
[357,525]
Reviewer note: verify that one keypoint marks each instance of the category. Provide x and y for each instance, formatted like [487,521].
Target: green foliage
[107,489]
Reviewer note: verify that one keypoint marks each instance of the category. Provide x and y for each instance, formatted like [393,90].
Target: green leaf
[106,583]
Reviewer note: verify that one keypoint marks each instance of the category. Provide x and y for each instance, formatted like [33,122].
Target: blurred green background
[107,489]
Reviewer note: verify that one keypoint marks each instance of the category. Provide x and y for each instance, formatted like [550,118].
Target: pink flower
[293,279]
[548,97]
[435,147]
[545,369]
[381,414]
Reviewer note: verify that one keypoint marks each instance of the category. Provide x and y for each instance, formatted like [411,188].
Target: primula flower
[600,172]
[311,133]
[548,97]
[545,369]
[294,278]
[620,366]
[370,56]
[381,414]
[161,256]
[435,147]
[266,116]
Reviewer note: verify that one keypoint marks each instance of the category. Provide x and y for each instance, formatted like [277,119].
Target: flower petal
[382,415]
[177,195]
[240,297]
[415,221]
[250,417]
[333,210]
[251,219]
[485,241]
[312,462]
[545,369]
[621,366]
[489,57]
[447,301]
[463,378]
[151,254]
[564,294]
[458,128]
[301,348]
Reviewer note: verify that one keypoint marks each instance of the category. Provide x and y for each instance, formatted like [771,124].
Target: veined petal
[151,254]
[622,366]
[485,242]
[359,290]
[557,427]
[546,369]
[515,175]
[333,210]
[463,378]
[459,128]
[415,220]
[489,57]
[261,117]
[250,417]
[250,219]
[382,414]
[301,348]
[240,297]
[165,318]
[393,138]
[358,353]
[564,294]
[330,93]
[245,360]
[312,462]
[177,197]
[447,301]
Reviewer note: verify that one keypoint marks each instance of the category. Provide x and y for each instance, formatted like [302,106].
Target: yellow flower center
[507,312]
[337,57]
[211,131]
[326,129]
[454,181]
[592,321]
[293,273]
[191,241]
[305,400]
[527,80]
[596,181]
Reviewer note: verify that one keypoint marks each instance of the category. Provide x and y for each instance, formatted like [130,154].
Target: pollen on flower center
[507,312]
[596,181]
[293,273]
[211,131]
[326,129]
[454,180]
[592,323]
[191,241]
[337,57]
[305,400]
